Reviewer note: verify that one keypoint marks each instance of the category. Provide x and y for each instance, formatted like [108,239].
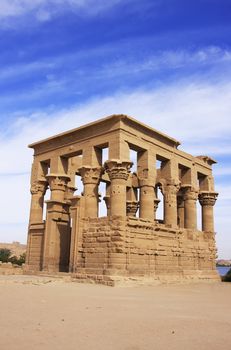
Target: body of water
[222,270]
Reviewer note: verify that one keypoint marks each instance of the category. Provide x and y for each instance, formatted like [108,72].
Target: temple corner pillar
[207,200]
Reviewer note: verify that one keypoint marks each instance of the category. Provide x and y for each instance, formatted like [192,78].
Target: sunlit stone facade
[66,233]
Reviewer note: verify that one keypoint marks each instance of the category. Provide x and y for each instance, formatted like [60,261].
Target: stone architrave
[91,177]
[118,172]
[207,201]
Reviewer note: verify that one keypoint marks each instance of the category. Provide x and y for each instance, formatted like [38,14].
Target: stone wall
[119,246]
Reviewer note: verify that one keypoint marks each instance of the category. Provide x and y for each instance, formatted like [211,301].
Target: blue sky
[66,62]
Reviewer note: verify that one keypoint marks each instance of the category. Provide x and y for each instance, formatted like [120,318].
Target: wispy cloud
[44,10]
[198,114]
[161,60]
[71,76]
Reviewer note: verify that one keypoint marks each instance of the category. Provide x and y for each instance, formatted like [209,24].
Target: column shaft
[118,174]
[207,201]
[57,233]
[170,204]
[190,209]
[147,196]
[180,211]
[91,177]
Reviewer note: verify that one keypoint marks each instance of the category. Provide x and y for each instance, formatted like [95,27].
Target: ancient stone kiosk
[66,233]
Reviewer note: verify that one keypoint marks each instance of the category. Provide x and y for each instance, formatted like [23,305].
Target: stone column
[170,204]
[118,172]
[132,207]
[106,198]
[146,169]
[147,196]
[58,184]
[38,190]
[132,203]
[91,177]
[36,226]
[190,209]
[207,201]
[69,193]
[74,212]
[180,210]
[57,233]
[156,203]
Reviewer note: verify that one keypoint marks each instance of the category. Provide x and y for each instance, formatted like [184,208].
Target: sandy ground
[40,313]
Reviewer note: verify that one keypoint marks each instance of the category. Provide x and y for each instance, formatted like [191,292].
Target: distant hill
[222,262]
[16,248]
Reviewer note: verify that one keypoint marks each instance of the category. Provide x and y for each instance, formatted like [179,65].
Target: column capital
[156,203]
[39,186]
[90,175]
[208,198]
[146,182]
[169,189]
[118,169]
[190,193]
[58,181]
[132,207]
[70,190]
[145,179]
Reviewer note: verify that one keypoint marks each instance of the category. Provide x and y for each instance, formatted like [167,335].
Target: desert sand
[44,313]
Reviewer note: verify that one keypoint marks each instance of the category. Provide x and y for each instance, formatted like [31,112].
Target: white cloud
[198,114]
[170,59]
[43,10]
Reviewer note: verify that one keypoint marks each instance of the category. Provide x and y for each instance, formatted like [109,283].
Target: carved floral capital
[132,207]
[118,169]
[91,175]
[190,193]
[169,191]
[58,182]
[208,198]
[39,187]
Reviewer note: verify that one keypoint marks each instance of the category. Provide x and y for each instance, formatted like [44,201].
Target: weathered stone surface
[129,241]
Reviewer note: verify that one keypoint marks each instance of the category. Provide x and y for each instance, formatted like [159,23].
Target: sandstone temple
[126,239]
